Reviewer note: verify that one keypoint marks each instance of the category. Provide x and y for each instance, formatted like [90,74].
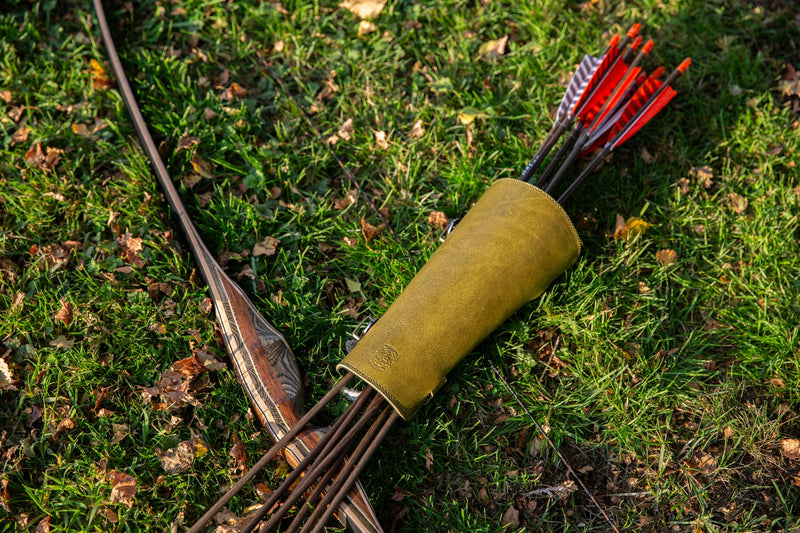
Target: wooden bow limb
[262,360]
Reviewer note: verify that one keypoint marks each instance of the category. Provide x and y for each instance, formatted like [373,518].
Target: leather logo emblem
[384,357]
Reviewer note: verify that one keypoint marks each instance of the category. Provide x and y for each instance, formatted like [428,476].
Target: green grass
[642,371]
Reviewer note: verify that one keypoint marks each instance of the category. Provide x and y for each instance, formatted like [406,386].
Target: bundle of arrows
[404,357]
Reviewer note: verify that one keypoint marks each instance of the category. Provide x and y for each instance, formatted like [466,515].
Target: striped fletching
[597,78]
[577,86]
[595,102]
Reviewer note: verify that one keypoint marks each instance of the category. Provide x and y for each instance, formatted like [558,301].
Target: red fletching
[621,91]
[684,65]
[596,99]
[605,133]
[659,103]
[614,41]
[597,80]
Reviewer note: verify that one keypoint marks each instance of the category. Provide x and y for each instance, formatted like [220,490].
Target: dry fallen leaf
[510,518]
[266,247]
[201,166]
[666,257]
[646,156]
[365,9]
[380,140]
[468,115]
[791,449]
[100,79]
[6,96]
[348,200]
[64,314]
[239,457]
[491,50]
[17,300]
[178,459]
[790,84]
[120,432]
[704,462]
[123,487]
[6,378]
[346,130]
[234,91]
[417,130]
[43,526]
[365,27]
[369,231]
[627,229]
[438,219]
[737,203]
[187,141]
[20,136]
[703,175]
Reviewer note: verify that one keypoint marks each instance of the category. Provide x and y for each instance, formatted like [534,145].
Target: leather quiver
[506,250]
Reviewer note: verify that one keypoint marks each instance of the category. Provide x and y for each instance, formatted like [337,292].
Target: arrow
[639,118]
[590,73]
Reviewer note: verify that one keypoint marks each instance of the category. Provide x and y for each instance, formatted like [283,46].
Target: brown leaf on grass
[6,377]
[178,459]
[428,460]
[365,9]
[123,487]
[239,457]
[417,130]
[232,92]
[189,366]
[4,494]
[437,219]
[100,79]
[510,518]
[120,432]
[703,175]
[266,247]
[34,413]
[737,203]
[346,130]
[206,306]
[65,424]
[64,314]
[43,526]
[17,300]
[20,136]
[16,111]
[704,462]
[491,50]
[683,185]
[85,130]
[666,257]
[6,96]
[381,142]
[201,166]
[790,448]
[632,227]
[369,231]
[646,156]
[348,200]
[790,84]
[365,27]
[186,142]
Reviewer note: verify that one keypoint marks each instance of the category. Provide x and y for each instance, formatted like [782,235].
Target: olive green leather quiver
[504,253]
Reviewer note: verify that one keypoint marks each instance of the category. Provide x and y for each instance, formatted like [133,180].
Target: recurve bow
[261,357]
